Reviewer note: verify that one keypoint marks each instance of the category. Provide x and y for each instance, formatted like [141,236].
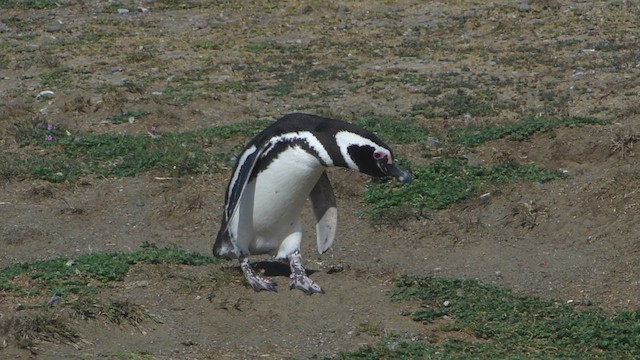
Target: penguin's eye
[381,155]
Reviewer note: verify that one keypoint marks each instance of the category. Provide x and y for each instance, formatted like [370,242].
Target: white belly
[268,218]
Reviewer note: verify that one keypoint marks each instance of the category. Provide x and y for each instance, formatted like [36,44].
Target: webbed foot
[256,281]
[299,279]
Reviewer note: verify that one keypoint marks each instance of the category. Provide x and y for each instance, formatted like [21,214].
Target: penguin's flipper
[323,202]
[246,163]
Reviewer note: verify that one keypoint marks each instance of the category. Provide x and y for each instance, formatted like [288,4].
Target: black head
[365,152]
[347,145]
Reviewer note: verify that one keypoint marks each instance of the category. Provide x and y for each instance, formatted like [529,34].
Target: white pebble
[46,94]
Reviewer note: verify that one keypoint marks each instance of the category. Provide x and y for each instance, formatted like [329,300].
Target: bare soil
[572,239]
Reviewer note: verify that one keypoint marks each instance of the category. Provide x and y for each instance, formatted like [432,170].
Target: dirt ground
[571,239]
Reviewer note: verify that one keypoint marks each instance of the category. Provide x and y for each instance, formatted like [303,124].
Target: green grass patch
[507,325]
[28,4]
[407,130]
[451,180]
[481,103]
[498,324]
[285,86]
[58,78]
[182,94]
[85,273]
[472,136]
[258,48]
[70,157]
[399,131]
[446,182]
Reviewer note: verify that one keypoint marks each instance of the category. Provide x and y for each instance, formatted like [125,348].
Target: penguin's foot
[299,279]
[256,281]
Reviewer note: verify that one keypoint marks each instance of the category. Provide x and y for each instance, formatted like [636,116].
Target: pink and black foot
[299,279]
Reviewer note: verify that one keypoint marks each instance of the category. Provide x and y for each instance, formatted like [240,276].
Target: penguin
[275,173]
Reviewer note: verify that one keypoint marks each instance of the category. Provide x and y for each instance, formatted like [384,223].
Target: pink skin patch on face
[381,155]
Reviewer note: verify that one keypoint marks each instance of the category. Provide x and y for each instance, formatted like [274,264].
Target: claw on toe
[304,283]
[299,279]
[257,282]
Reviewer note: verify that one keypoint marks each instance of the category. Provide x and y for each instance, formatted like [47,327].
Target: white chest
[270,207]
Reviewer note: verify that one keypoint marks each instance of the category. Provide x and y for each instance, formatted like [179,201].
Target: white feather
[344,139]
[268,216]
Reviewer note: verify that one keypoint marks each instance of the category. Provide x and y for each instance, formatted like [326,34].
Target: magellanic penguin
[275,173]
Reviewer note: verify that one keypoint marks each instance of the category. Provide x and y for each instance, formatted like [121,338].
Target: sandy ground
[572,239]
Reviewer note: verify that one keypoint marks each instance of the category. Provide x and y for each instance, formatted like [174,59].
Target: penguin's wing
[246,163]
[323,202]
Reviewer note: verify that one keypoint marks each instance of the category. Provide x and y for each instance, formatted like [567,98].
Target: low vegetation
[84,274]
[481,321]
[449,181]
[70,156]
[437,185]
[81,277]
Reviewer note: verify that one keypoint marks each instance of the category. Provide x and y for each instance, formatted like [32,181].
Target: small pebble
[431,142]
[46,94]
[55,300]
[137,284]
[55,27]
[4,28]
[220,79]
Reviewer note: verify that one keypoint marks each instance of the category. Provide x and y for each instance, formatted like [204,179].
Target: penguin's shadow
[275,268]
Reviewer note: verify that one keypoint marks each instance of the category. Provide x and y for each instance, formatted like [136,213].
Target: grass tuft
[472,136]
[448,181]
[394,131]
[115,312]
[518,325]
[127,116]
[451,180]
[45,326]
[84,274]
[481,321]
[29,4]
[70,157]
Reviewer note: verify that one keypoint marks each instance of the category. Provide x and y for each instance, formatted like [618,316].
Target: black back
[324,129]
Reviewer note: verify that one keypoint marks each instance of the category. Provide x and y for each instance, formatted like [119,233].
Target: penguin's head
[369,155]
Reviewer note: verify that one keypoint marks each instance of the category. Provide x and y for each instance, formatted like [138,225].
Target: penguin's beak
[401,174]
